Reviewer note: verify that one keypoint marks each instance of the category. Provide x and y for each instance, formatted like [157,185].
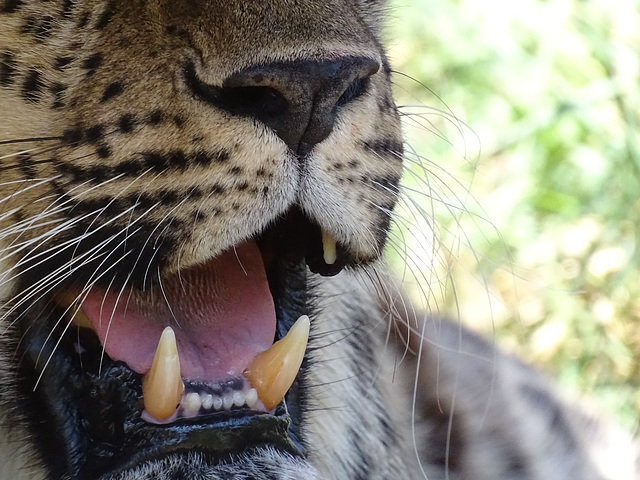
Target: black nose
[298,100]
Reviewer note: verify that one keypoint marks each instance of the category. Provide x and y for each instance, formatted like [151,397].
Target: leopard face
[209,166]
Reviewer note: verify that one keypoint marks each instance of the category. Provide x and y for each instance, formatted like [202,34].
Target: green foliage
[525,116]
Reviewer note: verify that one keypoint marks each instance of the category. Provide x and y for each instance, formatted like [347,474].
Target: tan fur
[101,132]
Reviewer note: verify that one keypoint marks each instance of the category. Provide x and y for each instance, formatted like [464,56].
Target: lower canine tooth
[273,371]
[162,387]
[328,248]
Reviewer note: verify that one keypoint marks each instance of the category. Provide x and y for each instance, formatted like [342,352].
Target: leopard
[195,198]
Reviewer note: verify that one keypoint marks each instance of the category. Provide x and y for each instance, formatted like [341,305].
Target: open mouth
[207,359]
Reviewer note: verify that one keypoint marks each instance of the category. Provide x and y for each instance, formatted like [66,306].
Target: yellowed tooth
[80,319]
[67,301]
[328,248]
[273,371]
[162,387]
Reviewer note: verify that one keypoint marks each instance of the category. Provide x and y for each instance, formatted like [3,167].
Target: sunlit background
[525,117]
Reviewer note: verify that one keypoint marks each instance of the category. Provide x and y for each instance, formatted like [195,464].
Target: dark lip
[86,410]
[233,433]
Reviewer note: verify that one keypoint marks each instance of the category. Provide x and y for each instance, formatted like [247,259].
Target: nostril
[354,90]
[246,100]
[237,100]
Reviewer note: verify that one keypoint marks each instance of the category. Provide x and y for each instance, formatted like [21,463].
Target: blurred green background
[523,117]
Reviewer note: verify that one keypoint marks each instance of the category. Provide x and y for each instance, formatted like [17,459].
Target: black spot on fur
[29,26]
[387,183]
[170,196]
[382,228]
[103,151]
[97,174]
[146,201]
[204,159]
[83,21]
[92,62]
[113,89]
[154,161]
[106,15]
[385,147]
[67,170]
[128,168]
[217,189]
[10,6]
[8,67]
[57,90]
[67,8]
[194,193]
[72,136]
[126,123]
[156,117]
[95,133]
[26,166]
[198,216]
[178,120]
[92,205]
[177,159]
[235,171]
[32,86]
[44,27]
[40,28]
[62,62]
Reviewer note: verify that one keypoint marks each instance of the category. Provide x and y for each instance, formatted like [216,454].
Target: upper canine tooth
[162,387]
[68,302]
[273,371]
[80,319]
[328,248]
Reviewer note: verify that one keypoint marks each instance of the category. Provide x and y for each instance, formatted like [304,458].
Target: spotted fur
[119,165]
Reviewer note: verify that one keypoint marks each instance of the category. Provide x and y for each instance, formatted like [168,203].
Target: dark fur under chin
[260,464]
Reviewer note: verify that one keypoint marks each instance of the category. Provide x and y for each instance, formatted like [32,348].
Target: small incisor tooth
[328,248]
[273,371]
[162,387]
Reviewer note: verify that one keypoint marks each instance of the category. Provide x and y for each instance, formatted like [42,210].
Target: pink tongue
[222,313]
